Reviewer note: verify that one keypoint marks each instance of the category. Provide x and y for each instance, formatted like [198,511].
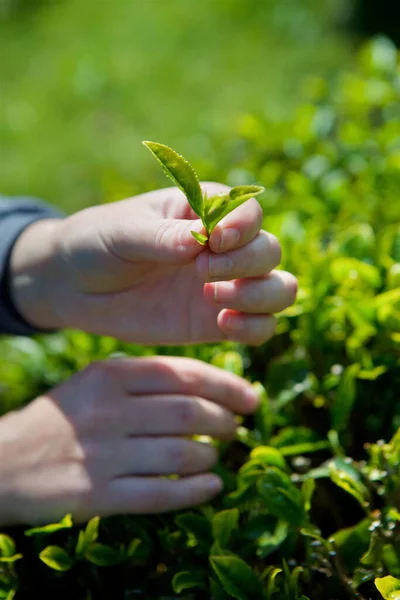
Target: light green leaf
[226,203]
[267,455]
[347,477]
[56,558]
[7,545]
[307,491]
[271,581]
[245,192]
[389,587]
[281,497]
[88,536]
[185,580]
[102,555]
[65,523]
[224,524]
[200,237]
[181,172]
[237,578]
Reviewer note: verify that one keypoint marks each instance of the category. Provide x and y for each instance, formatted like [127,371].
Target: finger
[147,495]
[269,294]
[163,456]
[178,375]
[176,415]
[258,257]
[238,228]
[252,330]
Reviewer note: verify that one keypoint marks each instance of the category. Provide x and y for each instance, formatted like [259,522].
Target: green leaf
[88,536]
[217,592]
[269,542]
[223,204]
[267,455]
[65,523]
[181,172]
[307,491]
[237,578]
[56,558]
[352,542]
[389,587]
[245,192]
[185,580]
[200,237]
[281,497]
[7,545]
[102,555]
[197,525]
[224,524]
[344,398]
[347,477]
[271,585]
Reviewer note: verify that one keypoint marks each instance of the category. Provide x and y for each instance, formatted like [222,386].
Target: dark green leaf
[102,555]
[281,497]
[237,578]
[224,524]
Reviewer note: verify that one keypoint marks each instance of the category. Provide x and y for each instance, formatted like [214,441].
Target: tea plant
[311,505]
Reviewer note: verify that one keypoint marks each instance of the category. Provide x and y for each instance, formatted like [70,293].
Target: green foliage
[312,484]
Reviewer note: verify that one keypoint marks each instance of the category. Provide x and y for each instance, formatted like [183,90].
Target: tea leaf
[65,523]
[56,558]
[102,555]
[281,497]
[224,524]
[185,580]
[200,237]
[237,578]
[181,172]
[226,203]
[389,587]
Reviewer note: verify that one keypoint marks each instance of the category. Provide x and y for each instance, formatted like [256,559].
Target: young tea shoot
[210,210]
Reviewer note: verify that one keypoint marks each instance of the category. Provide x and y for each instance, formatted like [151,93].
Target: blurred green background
[83,82]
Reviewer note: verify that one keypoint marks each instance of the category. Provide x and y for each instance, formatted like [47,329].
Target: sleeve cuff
[15,216]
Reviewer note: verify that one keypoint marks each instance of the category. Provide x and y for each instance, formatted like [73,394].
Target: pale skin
[98,443]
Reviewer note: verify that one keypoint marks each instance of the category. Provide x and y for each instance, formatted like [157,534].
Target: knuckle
[161,233]
[180,458]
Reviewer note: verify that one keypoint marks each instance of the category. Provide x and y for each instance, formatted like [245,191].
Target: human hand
[133,270]
[97,444]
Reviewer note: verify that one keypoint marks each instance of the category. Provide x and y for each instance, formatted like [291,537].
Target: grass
[83,82]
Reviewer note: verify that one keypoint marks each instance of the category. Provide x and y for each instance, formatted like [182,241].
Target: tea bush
[311,505]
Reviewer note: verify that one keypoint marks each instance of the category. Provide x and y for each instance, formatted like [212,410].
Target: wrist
[34,274]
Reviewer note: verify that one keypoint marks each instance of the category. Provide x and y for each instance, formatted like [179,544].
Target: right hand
[98,443]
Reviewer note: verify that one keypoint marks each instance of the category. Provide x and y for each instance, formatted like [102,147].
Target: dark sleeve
[15,215]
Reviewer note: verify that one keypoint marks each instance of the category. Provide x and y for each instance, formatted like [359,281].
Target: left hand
[132,270]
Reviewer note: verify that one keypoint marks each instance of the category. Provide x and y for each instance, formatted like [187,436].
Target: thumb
[167,240]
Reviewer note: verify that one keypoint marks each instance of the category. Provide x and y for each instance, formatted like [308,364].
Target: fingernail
[219,265]
[214,485]
[223,291]
[229,238]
